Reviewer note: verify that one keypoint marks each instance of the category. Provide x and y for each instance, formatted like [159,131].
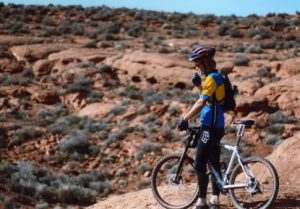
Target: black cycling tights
[208,151]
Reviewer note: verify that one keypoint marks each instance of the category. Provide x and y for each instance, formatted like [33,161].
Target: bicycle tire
[187,172]
[263,184]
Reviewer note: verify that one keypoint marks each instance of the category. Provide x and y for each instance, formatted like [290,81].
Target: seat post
[240,133]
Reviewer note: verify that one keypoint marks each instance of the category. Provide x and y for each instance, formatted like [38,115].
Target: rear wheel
[170,192]
[261,186]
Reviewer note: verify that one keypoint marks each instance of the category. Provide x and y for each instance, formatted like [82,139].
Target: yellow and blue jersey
[213,83]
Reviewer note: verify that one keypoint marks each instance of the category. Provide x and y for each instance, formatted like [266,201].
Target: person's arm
[199,104]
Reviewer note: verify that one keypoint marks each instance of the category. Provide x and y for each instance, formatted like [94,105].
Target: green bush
[149,147]
[272,140]
[25,133]
[136,30]
[261,33]
[141,169]
[279,117]
[276,129]
[76,141]
[241,60]
[254,49]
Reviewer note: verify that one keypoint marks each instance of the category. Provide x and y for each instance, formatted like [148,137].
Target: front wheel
[170,191]
[261,184]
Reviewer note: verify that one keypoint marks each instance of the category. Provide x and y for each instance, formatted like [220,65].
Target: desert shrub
[132,93]
[265,22]
[94,96]
[70,193]
[18,27]
[103,14]
[265,72]
[255,48]
[43,113]
[141,169]
[272,140]
[118,110]
[241,60]
[65,27]
[269,45]
[275,129]
[85,65]
[150,147]
[205,20]
[47,20]
[42,184]
[76,141]
[239,48]
[71,122]
[81,84]
[25,133]
[280,23]
[235,33]
[117,135]
[121,172]
[42,205]
[167,133]
[279,117]
[188,97]
[174,110]
[259,33]
[296,22]
[58,110]
[136,30]
[8,80]
[77,29]
[91,44]
[150,97]
[223,29]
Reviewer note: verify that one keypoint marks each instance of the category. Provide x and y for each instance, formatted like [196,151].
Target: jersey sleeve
[208,89]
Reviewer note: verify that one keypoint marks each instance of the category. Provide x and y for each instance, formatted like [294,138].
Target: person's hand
[196,80]
[182,125]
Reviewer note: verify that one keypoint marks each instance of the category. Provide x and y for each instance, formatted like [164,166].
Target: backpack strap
[214,112]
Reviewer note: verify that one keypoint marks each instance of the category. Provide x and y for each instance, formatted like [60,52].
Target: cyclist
[212,93]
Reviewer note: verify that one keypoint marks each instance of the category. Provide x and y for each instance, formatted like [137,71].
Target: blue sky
[217,7]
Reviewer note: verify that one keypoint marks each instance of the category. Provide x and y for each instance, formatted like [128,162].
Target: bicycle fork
[182,159]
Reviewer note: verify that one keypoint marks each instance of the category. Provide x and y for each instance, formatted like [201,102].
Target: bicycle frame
[223,184]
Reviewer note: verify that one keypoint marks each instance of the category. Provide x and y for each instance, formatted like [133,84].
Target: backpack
[230,92]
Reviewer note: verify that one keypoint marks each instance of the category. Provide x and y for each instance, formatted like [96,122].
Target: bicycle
[251,183]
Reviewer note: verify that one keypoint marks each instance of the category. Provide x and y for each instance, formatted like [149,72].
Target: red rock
[96,110]
[286,160]
[46,97]
[34,52]
[10,66]
[246,104]
[42,67]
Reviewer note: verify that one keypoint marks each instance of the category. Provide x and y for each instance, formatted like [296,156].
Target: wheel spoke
[262,184]
[173,193]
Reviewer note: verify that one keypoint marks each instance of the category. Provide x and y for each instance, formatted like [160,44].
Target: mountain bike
[250,182]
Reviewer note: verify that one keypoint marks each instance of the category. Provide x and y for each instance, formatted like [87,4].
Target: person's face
[200,66]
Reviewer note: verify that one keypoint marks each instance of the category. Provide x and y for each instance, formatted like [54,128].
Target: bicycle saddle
[247,123]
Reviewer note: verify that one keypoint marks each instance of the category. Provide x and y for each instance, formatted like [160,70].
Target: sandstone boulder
[247,104]
[286,160]
[42,67]
[10,40]
[34,52]
[152,68]
[96,110]
[48,97]
[10,66]
[284,94]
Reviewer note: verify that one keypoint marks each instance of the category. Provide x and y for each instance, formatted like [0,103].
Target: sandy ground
[288,198]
